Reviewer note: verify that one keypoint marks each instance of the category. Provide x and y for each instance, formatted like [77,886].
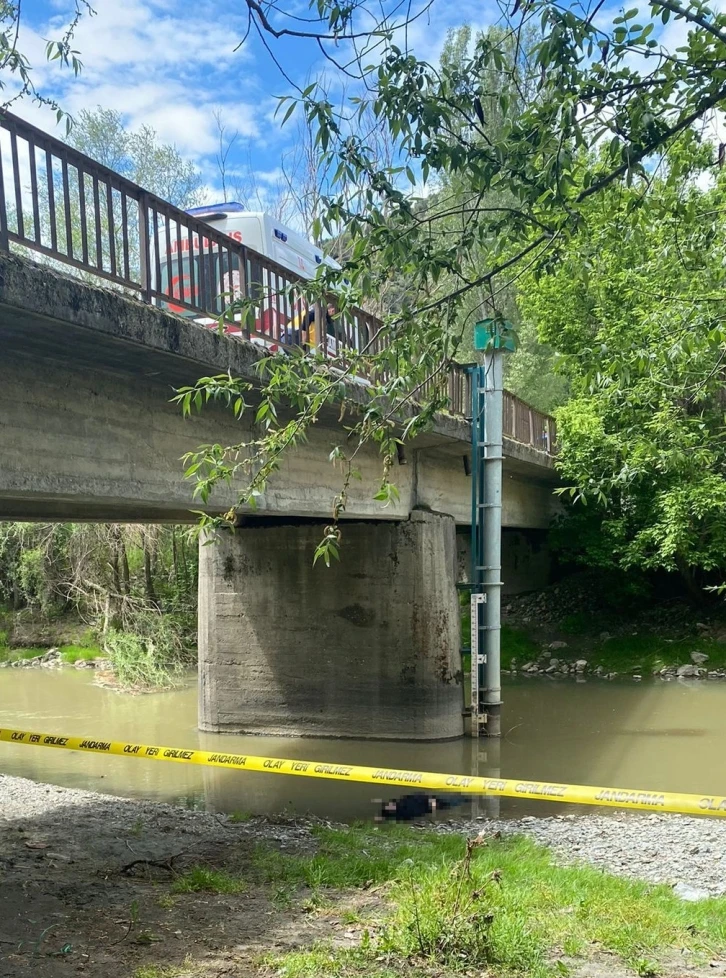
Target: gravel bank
[93,829]
[671,849]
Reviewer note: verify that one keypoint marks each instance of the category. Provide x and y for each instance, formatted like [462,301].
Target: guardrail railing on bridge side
[65,206]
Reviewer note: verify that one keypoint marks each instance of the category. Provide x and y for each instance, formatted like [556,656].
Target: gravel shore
[92,828]
[686,853]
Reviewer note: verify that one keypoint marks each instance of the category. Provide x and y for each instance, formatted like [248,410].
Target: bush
[153,655]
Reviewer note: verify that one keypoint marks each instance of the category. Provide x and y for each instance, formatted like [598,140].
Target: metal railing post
[144,249]
[4,239]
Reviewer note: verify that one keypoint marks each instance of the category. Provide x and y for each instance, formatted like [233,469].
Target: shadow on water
[635,735]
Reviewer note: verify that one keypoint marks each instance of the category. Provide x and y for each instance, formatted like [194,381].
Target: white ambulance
[212,287]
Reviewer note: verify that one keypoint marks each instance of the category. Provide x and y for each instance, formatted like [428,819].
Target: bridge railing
[57,202]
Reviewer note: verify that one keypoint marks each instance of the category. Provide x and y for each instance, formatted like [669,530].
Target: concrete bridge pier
[368,648]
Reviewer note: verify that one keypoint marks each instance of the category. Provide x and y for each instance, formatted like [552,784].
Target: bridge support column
[367,648]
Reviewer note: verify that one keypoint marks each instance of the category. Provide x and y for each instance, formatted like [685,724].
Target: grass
[578,623]
[503,906]
[72,653]
[155,971]
[12,655]
[515,644]
[69,653]
[648,652]
[202,879]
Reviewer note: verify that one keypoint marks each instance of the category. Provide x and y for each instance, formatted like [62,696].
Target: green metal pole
[491,520]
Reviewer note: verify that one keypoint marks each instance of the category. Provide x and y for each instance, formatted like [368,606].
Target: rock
[546,655]
[557,645]
[550,670]
[690,893]
[687,672]
[85,664]
[599,670]
[604,636]
[554,662]
[581,665]
[699,658]
[637,677]
[701,624]
[528,666]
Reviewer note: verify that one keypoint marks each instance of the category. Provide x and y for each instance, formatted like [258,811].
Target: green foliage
[202,879]
[157,167]
[153,656]
[646,653]
[502,907]
[516,644]
[501,158]
[355,857]
[11,654]
[50,568]
[630,305]
[576,623]
[17,78]
[530,372]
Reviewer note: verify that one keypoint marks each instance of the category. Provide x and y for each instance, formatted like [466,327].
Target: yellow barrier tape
[575,794]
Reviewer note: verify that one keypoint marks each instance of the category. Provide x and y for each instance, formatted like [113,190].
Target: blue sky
[171,65]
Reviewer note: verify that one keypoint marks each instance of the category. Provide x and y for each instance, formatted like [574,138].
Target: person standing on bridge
[302,329]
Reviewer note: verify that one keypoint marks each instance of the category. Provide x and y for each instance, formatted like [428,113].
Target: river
[650,735]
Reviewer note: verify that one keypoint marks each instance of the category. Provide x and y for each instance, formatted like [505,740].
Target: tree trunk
[175,558]
[148,574]
[185,569]
[125,574]
[115,551]
[687,576]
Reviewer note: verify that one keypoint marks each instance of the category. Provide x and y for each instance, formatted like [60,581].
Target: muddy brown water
[647,735]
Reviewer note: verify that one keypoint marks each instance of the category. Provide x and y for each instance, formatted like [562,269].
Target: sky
[172,64]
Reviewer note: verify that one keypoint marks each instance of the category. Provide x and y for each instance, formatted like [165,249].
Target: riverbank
[101,885]
[152,655]
[583,626]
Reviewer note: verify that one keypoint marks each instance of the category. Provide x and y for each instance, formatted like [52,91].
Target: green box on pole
[494,334]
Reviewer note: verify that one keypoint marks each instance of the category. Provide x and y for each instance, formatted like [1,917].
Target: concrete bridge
[87,432]
[369,648]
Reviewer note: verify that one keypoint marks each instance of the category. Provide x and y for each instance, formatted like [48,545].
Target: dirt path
[86,886]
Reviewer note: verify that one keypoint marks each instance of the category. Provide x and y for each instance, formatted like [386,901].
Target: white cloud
[155,34]
[271,176]
[156,62]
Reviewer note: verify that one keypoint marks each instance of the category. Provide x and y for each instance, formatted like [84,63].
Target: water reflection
[622,734]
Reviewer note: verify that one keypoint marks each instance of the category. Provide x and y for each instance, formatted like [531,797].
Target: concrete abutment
[368,648]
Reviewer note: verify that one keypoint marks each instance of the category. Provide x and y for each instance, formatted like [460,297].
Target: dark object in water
[408,807]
